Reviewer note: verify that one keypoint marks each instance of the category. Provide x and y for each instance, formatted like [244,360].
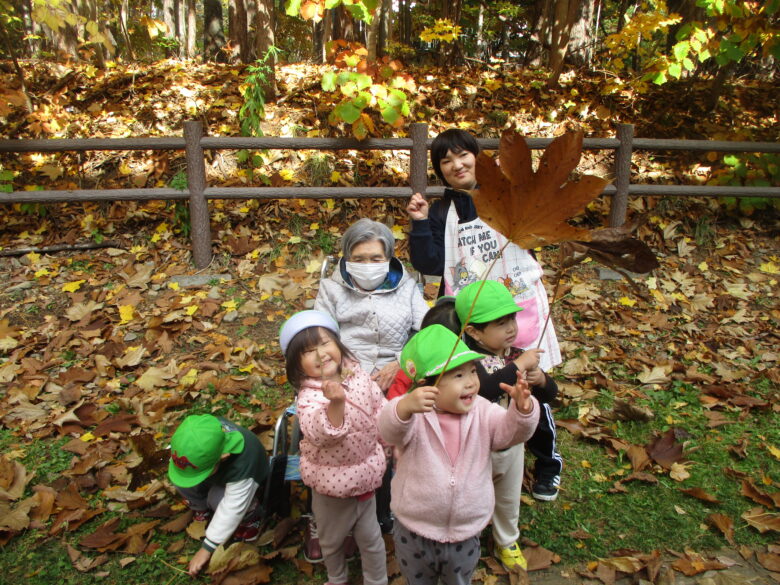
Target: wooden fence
[198,192]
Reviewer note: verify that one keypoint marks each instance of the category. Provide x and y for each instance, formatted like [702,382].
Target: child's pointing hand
[521,393]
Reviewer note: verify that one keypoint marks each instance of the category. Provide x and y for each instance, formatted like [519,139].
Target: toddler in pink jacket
[342,459]
[442,491]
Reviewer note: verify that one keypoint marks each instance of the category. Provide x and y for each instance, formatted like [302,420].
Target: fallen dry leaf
[724,524]
[531,208]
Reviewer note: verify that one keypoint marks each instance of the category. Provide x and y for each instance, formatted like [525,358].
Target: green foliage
[362,10]
[181,209]
[252,112]
[443,31]
[6,181]
[380,87]
[733,30]
[752,170]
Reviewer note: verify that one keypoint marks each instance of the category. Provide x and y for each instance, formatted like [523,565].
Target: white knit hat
[303,320]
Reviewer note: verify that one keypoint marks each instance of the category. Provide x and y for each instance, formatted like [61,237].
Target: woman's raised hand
[418,207]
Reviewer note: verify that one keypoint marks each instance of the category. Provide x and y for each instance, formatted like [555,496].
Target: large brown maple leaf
[532,208]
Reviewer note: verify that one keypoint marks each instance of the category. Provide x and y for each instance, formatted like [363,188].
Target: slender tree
[213,35]
[237,29]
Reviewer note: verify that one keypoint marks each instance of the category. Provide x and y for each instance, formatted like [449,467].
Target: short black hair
[454,140]
[443,313]
[304,340]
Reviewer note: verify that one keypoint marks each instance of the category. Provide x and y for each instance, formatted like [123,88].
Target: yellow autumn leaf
[679,472]
[769,267]
[398,232]
[295,240]
[703,266]
[243,209]
[189,378]
[287,175]
[774,451]
[314,226]
[42,272]
[33,257]
[126,312]
[247,368]
[162,228]
[230,305]
[173,285]
[625,301]
[586,464]
[190,310]
[155,238]
[72,286]
[335,177]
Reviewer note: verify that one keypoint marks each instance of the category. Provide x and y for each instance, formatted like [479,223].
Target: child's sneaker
[247,531]
[510,557]
[201,515]
[545,490]
[311,542]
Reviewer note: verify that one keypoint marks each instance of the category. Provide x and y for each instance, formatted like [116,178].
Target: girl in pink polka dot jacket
[342,460]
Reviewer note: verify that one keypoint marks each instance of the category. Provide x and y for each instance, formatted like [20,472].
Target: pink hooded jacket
[345,461]
[431,496]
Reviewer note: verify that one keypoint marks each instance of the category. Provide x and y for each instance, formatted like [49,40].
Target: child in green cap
[492,328]
[442,491]
[217,466]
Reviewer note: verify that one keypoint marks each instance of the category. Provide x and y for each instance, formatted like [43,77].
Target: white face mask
[368,275]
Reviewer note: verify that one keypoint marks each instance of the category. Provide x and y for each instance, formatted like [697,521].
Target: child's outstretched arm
[420,399]
[334,392]
[521,393]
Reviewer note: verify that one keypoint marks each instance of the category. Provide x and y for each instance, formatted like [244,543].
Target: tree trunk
[372,35]
[323,33]
[19,72]
[581,42]
[181,26]
[213,35]
[265,23]
[480,32]
[169,18]
[237,30]
[405,22]
[540,32]
[32,45]
[252,31]
[123,10]
[192,26]
[385,27]
[565,13]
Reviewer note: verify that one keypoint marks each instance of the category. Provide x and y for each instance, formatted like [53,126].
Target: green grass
[656,516]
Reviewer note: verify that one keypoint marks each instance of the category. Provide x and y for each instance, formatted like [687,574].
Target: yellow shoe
[510,557]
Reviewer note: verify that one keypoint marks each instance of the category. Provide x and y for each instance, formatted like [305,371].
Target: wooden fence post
[418,157]
[619,206]
[200,223]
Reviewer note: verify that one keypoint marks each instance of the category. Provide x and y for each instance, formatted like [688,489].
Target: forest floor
[669,408]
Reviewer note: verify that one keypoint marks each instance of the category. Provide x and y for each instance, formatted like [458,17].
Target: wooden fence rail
[198,193]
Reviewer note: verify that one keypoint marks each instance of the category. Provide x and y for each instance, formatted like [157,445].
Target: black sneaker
[386,524]
[545,490]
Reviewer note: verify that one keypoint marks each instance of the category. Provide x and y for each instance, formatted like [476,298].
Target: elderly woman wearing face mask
[373,299]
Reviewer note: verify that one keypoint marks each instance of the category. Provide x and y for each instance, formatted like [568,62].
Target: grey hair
[367,230]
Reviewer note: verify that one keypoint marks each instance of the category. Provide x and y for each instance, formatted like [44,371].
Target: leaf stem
[471,309]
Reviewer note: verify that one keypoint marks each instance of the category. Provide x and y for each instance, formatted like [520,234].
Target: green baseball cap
[491,302]
[427,352]
[196,448]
